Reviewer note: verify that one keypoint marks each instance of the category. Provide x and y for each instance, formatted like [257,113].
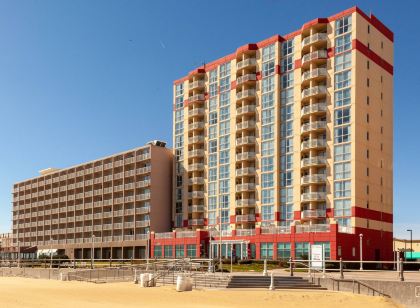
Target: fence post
[401,270]
[341,269]
[291,267]
[110,262]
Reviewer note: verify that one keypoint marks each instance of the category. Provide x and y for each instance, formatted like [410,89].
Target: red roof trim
[356,44]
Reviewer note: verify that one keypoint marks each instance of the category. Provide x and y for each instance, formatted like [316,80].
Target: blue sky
[84,79]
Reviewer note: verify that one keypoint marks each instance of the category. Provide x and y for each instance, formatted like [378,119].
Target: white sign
[417,291]
[317,256]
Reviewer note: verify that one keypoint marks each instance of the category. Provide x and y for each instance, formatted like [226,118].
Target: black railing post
[401,270]
[291,267]
[341,269]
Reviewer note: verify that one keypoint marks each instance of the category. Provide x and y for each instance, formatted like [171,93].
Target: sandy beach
[23,292]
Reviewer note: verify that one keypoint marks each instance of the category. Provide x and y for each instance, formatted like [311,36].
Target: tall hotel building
[109,204]
[288,142]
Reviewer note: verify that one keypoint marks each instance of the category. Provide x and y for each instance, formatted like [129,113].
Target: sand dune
[24,292]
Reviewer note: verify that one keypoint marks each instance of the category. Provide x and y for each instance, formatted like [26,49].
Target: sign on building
[317,256]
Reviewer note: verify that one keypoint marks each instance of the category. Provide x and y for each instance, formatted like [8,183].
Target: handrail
[291,262]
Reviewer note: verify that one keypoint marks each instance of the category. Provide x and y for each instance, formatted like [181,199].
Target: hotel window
[224,157]
[267,100]
[267,116]
[268,53]
[268,68]
[287,47]
[224,172]
[213,90]
[267,213]
[224,128]
[301,251]
[212,189]
[224,113]
[342,152]
[342,61]
[286,129]
[267,132]
[179,140]
[286,162]
[212,174]
[179,102]
[287,64]
[157,252]
[327,249]
[267,164]
[168,251]
[179,251]
[212,203]
[343,25]
[287,145]
[224,142]
[212,132]
[342,134]
[287,112]
[224,201]
[212,218]
[342,207]
[286,178]
[283,251]
[267,196]
[267,148]
[268,84]
[212,118]
[224,99]
[266,251]
[342,80]
[224,187]
[179,89]
[342,171]
[267,180]
[342,116]
[191,250]
[286,96]
[213,146]
[342,97]
[213,76]
[343,43]
[287,80]
[212,160]
[342,189]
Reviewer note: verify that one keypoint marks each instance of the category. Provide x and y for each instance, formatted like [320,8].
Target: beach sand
[24,292]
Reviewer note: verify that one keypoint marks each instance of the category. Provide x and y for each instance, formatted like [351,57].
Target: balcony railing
[314,91]
[187,234]
[196,208]
[245,94]
[245,125]
[246,63]
[245,156]
[196,139]
[196,84]
[143,210]
[313,178]
[245,202]
[196,112]
[196,167]
[143,223]
[313,143]
[196,194]
[315,125]
[196,222]
[313,161]
[245,140]
[245,218]
[246,78]
[313,214]
[245,171]
[163,235]
[245,232]
[313,196]
[196,181]
[319,54]
[245,110]
[313,228]
[345,229]
[196,153]
[195,98]
[319,107]
[317,72]
[314,38]
[245,187]
[275,230]
[196,125]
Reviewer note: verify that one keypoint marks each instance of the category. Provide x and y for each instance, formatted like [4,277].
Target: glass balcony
[313,228]
[245,140]
[245,187]
[313,143]
[246,63]
[245,218]
[196,222]
[196,84]
[196,139]
[313,196]
[245,94]
[246,78]
[313,161]
[314,108]
[315,38]
[248,109]
[196,112]
[196,181]
[313,74]
[245,202]
[313,91]
[315,55]
[313,178]
[245,156]
[245,125]
[245,171]
[196,153]
[196,125]
[313,126]
[196,98]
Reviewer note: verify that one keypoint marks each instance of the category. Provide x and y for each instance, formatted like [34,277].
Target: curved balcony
[314,108]
[196,84]
[310,214]
[313,228]
[313,178]
[246,78]
[245,140]
[313,91]
[250,124]
[248,109]
[245,171]
[315,38]
[245,218]
[313,143]
[313,161]
[196,222]
[313,126]
[246,63]
[245,202]
[195,208]
[196,125]
[196,139]
[313,196]
[245,187]
[244,156]
[245,94]
[315,55]
[196,153]
[196,181]
[196,98]
[314,74]
[196,194]
[196,167]
[196,112]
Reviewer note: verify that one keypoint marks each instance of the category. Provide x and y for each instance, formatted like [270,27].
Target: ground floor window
[266,251]
[168,251]
[252,251]
[283,251]
[157,251]
[301,251]
[179,251]
[327,249]
[191,250]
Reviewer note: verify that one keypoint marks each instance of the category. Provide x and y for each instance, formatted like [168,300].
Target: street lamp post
[411,243]
[361,251]
[92,251]
[147,249]
[51,257]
